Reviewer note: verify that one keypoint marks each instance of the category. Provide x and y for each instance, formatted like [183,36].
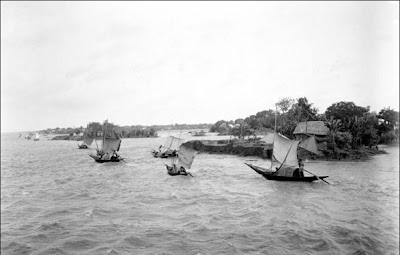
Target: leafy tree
[239,121]
[301,110]
[344,119]
[242,130]
[253,122]
[266,118]
[343,140]
[390,116]
[343,110]
[389,137]
[355,125]
[369,131]
[223,128]
[94,126]
[390,119]
[334,125]
[285,104]
[304,110]
[215,127]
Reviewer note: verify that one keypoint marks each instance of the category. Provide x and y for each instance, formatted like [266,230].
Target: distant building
[312,135]
[306,129]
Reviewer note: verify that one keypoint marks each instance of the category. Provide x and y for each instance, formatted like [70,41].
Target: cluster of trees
[177,126]
[142,131]
[95,129]
[351,126]
[69,130]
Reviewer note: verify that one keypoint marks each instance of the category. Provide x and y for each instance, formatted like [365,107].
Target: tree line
[350,125]
[95,129]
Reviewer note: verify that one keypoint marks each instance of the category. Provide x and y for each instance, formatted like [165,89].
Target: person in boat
[159,148]
[175,171]
[182,170]
[173,154]
[301,168]
[115,155]
[100,153]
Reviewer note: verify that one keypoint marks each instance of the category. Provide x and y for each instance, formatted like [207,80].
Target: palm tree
[334,125]
[355,125]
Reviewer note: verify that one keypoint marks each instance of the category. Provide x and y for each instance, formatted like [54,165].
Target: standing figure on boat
[300,171]
[114,156]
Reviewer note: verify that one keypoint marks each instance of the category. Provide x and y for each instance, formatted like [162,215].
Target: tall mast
[104,133]
[276,110]
[273,141]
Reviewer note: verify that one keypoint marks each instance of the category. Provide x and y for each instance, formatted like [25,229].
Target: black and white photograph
[200,127]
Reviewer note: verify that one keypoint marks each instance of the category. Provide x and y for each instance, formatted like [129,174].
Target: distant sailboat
[184,160]
[201,133]
[36,137]
[169,149]
[87,140]
[110,145]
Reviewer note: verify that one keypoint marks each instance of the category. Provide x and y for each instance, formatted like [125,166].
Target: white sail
[173,143]
[310,144]
[268,139]
[285,150]
[186,156]
[87,139]
[111,143]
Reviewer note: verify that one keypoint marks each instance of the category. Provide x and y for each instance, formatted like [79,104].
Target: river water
[56,200]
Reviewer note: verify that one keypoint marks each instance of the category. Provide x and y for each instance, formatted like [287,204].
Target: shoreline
[262,150]
[80,138]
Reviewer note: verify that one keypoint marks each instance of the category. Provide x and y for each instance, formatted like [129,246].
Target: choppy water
[56,200]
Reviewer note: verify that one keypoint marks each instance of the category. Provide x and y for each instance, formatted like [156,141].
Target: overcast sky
[65,64]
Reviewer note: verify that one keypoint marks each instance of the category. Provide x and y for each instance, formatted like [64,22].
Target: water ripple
[68,204]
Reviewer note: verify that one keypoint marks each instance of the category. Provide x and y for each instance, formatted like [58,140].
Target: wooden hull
[293,179]
[172,173]
[99,160]
[271,176]
[158,154]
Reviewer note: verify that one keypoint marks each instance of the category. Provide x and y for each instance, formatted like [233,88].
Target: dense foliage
[351,126]
[95,129]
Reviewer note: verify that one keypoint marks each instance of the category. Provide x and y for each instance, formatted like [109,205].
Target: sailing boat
[36,137]
[169,149]
[87,140]
[184,161]
[28,136]
[110,145]
[285,153]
